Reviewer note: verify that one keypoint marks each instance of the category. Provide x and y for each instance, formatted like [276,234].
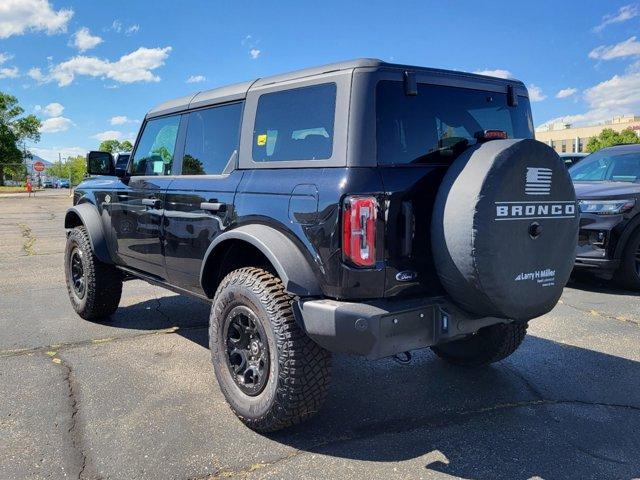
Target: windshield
[606,166]
[439,123]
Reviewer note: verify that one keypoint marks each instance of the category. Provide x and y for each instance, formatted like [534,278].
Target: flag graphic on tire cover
[538,181]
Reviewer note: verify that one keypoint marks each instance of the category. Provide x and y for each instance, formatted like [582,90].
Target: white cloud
[621,92]
[108,135]
[495,73]
[83,40]
[136,66]
[535,93]
[116,26]
[566,92]
[620,95]
[252,44]
[54,109]
[196,79]
[11,72]
[36,74]
[18,16]
[51,154]
[4,57]
[630,47]
[622,15]
[121,120]
[56,124]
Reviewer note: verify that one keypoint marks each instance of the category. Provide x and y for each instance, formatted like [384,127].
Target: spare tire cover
[504,229]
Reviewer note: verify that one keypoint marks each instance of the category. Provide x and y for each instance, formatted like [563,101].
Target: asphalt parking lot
[136,397]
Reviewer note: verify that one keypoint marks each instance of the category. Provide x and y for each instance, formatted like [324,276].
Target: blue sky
[92,69]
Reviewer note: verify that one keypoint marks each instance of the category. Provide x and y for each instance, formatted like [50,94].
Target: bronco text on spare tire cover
[505,219]
[360,207]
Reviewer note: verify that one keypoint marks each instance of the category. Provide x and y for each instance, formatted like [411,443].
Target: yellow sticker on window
[261,140]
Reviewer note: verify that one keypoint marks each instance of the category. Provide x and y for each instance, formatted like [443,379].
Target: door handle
[212,206]
[151,202]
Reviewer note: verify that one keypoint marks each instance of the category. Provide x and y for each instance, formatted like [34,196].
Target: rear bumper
[383,328]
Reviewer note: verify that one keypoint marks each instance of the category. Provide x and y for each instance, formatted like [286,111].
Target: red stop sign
[38,166]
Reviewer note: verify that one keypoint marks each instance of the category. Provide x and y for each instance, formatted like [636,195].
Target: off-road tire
[490,344]
[299,369]
[103,281]
[627,276]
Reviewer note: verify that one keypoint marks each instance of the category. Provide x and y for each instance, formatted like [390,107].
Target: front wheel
[488,345]
[628,274]
[270,372]
[94,287]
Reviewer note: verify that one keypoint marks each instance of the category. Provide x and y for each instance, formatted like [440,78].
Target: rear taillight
[359,230]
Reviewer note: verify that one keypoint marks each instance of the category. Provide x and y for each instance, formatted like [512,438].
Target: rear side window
[440,122]
[212,139]
[295,124]
[154,153]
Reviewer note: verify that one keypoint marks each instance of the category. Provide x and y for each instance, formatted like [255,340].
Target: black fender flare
[88,215]
[289,262]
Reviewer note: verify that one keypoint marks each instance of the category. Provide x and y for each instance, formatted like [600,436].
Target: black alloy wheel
[76,268]
[247,350]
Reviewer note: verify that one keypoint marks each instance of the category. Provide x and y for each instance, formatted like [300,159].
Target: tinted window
[440,122]
[295,124]
[154,153]
[606,166]
[212,139]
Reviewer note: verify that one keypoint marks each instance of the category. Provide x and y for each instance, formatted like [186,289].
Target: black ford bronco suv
[358,207]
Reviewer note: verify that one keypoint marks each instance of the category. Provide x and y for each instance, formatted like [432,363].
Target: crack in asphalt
[601,314]
[74,429]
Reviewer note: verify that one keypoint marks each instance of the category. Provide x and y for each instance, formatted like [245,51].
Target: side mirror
[100,163]
[121,164]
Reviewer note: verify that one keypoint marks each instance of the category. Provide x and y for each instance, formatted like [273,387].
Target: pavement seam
[97,341]
[601,314]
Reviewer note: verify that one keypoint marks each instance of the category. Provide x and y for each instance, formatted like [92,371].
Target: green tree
[74,166]
[14,130]
[111,146]
[114,146]
[192,166]
[609,137]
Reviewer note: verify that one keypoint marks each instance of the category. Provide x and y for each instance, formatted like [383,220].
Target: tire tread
[304,366]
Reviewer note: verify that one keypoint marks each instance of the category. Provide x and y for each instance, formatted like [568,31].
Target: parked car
[359,207]
[607,185]
[48,183]
[571,159]
[62,183]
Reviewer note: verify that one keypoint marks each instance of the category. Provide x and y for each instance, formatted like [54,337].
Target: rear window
[295,124]
[439,123]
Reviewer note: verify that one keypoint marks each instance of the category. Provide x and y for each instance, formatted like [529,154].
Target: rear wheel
[490,344]
[94,287]
[271,374]
[628,274]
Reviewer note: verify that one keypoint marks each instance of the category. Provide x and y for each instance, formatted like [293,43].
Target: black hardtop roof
[238,91]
